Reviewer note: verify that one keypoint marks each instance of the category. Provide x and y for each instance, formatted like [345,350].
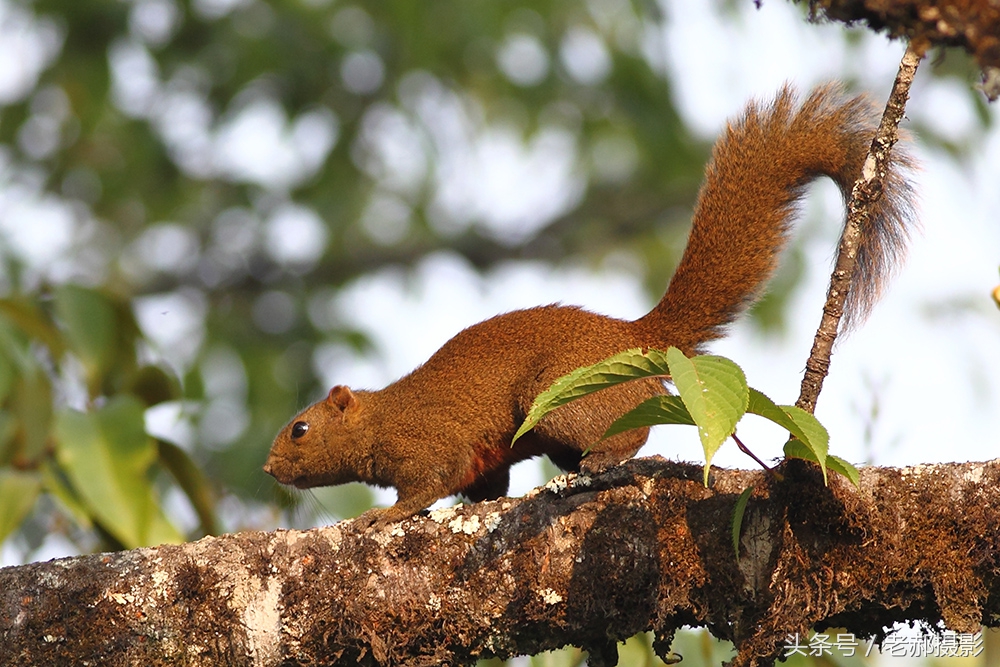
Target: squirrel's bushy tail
[758,172]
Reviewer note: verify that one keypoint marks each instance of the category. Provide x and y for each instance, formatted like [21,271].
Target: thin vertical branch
[866,192]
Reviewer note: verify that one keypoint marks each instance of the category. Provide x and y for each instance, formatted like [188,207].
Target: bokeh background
[211,211]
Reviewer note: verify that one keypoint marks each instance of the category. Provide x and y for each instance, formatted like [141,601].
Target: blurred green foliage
[186,147]
[74,394]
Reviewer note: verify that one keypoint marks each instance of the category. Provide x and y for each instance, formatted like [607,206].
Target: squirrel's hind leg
[490,486]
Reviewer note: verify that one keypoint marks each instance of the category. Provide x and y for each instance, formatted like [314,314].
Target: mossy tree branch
[643,546]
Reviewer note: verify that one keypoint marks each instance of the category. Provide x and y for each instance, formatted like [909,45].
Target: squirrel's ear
[341,398]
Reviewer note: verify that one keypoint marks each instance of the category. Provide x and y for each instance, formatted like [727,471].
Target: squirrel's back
[758,172]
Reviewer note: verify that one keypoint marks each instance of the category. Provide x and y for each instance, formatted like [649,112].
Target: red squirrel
[446,428]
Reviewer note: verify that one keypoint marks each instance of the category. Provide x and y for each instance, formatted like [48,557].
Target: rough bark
[861,209]
[581,561]
[973,25]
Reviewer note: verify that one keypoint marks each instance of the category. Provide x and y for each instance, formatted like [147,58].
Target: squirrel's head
[319,446]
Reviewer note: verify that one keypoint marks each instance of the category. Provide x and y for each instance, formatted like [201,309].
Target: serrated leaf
[738,511]
[107,455]
[622,367]
[816,436]
[652,412]
[795,449]
[845,468]
[800,424]
[714,391]
[18,492]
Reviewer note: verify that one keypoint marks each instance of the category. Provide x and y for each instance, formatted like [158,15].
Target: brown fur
[446,427]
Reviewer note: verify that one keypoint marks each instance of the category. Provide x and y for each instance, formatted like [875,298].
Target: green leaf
[738,512]
[27,317]
[8,430]
[799,423]
[107,455]
[845,468]
[56,485]
[622,367]
[31,404]
[18,492]
[795,449]
[193,482]
[714,390]
[154,385]
[8,375]
[652,412]
[89,319]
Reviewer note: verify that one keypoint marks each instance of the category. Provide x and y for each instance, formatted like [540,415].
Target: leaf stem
[771,471]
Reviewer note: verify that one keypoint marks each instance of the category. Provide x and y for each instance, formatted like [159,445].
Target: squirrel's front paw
[380,517]
[375,517]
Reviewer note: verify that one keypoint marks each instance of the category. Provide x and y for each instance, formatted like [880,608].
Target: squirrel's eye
[299,429]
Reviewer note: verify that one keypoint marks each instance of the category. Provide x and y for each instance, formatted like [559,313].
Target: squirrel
[446,428]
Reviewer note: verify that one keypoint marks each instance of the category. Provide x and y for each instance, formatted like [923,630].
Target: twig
[863,197]
[746,450]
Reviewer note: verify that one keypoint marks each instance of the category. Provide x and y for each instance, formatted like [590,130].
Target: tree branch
[861,210]
[581,561]
[973,26]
